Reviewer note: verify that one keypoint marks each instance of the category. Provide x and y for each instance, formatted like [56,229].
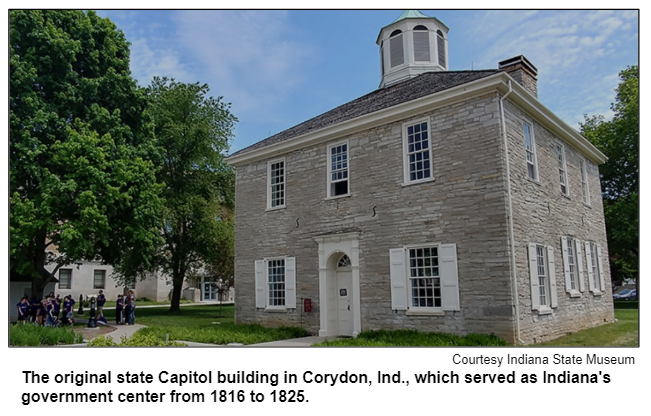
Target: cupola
[411,45]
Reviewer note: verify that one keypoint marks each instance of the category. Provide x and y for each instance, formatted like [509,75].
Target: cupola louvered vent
[397,50]
[440,44]
[421,44]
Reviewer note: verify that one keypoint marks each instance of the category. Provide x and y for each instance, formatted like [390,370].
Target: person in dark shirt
[42,311]
[119,310]
[130,305]
[101,299]
[56,307]
[34,305]
[23,310]
[69,309]
[49,307]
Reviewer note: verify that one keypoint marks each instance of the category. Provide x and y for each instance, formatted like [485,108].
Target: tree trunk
[175,307]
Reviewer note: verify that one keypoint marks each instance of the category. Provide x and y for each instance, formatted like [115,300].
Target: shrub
[137,340]
[32,335]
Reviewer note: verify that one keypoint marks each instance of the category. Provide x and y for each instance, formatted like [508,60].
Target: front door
[344,300]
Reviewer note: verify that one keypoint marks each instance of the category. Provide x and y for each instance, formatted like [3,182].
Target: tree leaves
[82,177]
[619,140]
[193,130]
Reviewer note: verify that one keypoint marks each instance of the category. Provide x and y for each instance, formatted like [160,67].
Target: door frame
[331,248]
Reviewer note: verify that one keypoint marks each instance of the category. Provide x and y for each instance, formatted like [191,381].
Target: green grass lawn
[201,324]
[139,302]
[412,338]
[623,333]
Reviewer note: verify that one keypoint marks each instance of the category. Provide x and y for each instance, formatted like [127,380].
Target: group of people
[47,311]
[125,308]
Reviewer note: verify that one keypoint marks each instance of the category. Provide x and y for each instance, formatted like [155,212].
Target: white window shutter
[566,265]
[290,282]
[533,277]
[588,260]
[398,279]
[449,277]
[579,263]
[552,277]
[600,265]
[260,284]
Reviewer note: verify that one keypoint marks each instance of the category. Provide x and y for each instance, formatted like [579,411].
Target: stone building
[448,201]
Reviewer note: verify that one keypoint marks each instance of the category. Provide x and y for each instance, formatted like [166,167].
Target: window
[130,284]
[573,266]
[584,182]
[421,44]
[276,186]
[424,279]
[595,267]
[543,278]
[530,148]
[417,153]
[440,45]
[275,283]
[562,169]
[99,279]
[542,274]
[397,49]
[338,170]
[344,261]
[65,278]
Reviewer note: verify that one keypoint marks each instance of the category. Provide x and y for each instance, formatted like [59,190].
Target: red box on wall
[307,305]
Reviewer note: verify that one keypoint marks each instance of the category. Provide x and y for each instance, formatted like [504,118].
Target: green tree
[82,181]
[194,131]
[618,139]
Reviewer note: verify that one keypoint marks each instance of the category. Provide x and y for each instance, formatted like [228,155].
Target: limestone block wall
[464,204]
[542,214]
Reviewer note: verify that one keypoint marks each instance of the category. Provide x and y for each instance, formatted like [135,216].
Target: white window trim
[269,163]
[266,285]
[329,170]
[565,175]
[405,151]
[535,153]
[449,280]
[583,171]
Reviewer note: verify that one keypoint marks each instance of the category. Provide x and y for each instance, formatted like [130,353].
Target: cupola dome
[411,45]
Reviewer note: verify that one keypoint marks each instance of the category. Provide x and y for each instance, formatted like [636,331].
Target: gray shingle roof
[420,86]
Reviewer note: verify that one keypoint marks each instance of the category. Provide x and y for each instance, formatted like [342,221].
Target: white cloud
[147,62]
[251,57]
[551,40]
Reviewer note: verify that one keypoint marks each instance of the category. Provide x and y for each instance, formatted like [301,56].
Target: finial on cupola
[412,44]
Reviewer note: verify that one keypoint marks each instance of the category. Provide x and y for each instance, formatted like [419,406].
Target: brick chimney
[523,72]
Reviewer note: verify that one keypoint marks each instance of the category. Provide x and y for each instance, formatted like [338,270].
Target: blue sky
[279,68]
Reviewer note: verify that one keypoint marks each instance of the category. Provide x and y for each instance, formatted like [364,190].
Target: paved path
[129,330]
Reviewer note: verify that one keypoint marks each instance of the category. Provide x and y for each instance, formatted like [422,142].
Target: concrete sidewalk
[295,342]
